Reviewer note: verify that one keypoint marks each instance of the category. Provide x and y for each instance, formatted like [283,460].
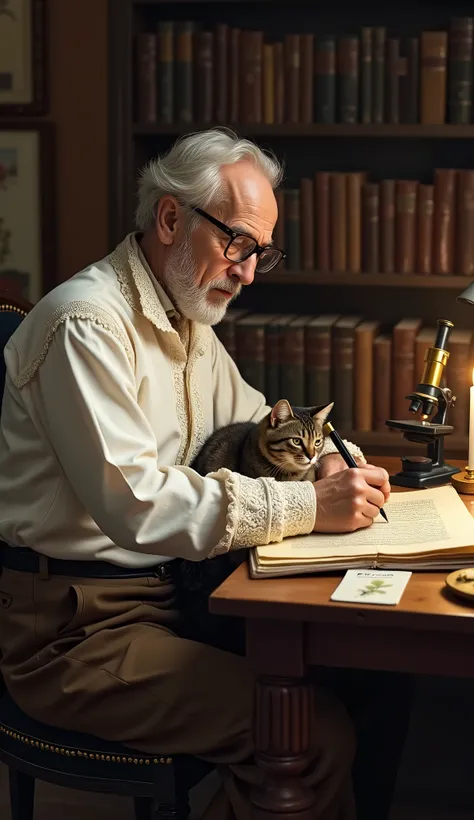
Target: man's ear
[281,412]
[321,413]
[168,215]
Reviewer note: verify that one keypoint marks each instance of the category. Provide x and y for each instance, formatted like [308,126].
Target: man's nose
[245,271]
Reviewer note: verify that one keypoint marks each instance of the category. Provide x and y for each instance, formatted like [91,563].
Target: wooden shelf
[393,443]
[316,130]
[382,280]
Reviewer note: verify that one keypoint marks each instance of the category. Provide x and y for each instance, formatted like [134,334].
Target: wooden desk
[292,625]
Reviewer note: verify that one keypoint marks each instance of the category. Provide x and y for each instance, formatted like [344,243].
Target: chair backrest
[12,313]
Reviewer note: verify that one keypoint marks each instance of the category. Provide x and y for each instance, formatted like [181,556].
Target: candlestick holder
[464,481]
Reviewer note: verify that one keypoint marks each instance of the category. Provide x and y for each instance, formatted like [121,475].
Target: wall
[78,106]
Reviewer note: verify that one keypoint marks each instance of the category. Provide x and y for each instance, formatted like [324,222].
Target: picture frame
[23,58]
[27,209]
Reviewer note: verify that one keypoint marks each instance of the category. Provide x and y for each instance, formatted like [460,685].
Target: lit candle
[470,460]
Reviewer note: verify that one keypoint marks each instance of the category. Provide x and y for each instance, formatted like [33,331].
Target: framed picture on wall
[27,229]
[23,57]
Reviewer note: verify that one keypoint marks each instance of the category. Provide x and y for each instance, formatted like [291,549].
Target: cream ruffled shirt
[105,405]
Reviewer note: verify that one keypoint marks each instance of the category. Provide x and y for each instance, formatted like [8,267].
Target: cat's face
[293,443]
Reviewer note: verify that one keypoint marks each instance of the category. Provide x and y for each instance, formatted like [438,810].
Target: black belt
[25,560]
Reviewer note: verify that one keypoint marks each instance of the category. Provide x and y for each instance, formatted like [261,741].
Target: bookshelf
[405,149]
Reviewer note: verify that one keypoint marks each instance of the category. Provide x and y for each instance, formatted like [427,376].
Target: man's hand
[348,500]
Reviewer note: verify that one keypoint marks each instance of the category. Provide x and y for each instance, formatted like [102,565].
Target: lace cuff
[263,511]
[354,450]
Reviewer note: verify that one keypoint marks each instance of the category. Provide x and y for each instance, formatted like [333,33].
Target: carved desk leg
[283,719]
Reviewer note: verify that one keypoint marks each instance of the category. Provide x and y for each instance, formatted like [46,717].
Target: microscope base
[423,479]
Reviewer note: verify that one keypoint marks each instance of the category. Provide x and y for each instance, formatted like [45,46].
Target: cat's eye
[296,442]
[318,442]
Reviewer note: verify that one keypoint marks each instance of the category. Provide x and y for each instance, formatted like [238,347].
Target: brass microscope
[433,400]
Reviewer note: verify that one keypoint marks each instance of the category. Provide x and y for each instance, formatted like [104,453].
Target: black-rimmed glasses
[241,246]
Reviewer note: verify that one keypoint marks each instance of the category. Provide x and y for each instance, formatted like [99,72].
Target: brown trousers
[102,657]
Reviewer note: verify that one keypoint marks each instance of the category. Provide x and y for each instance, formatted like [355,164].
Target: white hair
[190,171]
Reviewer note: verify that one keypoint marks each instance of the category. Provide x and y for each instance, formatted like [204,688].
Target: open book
[427,529]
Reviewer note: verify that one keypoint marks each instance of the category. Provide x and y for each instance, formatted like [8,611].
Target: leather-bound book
[250,339]
[322,200]
[338,222]
[221,65]
[268,85]
[348,70]
[343,371]
[292,78]
[251,55]
[387,226]
[378,75]
[146,69]
[279,82]
[444,220]
[205,76]
[354,181]
[405,225]
[292,228]
[404,378]
[461,42]
[393,80]
[307,223]
[225,330]
[273,356]
[370,227]
[364,374]
[424,224]
[425,338]
[165,38]
[434,51]
[465,226]
[458,374]
[279,231]
[234,75]
[410,82]
[318,358]
[306,77]
[325,90]
[382,382]
[184,91]
[366,74]
[292,371]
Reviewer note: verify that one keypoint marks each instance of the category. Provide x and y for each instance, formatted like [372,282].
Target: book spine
[251,355]
[404,376]
[387,225]
[393,80]
[348,64]
[146,57]
[378,76]
[221,63]
[405,225]
[425,215]
[318,365]
[434,46]
[382,382]
[307,75]
[205,76]
[322,200]
[465,233]
[458,374]
[326,80]
[363,379]
[307,224]
[355,181]
[166,72]
[460,69]
[251,77]
[292,76]
[366,74]
[279,82]
[234,75]
[184,92]
[343,390]
[272,363]
[370,217]
[413,81]
[338,199]
[268,85]
[444,220]
[292,375]
[292,228]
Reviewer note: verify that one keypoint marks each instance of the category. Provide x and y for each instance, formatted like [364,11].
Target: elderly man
[114,381]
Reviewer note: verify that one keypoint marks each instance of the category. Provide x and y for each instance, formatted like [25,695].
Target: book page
[419,522]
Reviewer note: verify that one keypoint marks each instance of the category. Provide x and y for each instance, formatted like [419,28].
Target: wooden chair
[33,751]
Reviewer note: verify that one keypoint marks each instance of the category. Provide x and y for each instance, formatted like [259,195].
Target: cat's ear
[281,412]
[321,413]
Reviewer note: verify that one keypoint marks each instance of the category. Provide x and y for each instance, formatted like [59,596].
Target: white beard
[191,300]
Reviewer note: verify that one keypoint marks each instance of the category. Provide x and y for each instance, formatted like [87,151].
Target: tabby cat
[286,446]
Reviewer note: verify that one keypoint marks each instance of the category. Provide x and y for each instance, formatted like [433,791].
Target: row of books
[365,368]
[343,222]
[228,75]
